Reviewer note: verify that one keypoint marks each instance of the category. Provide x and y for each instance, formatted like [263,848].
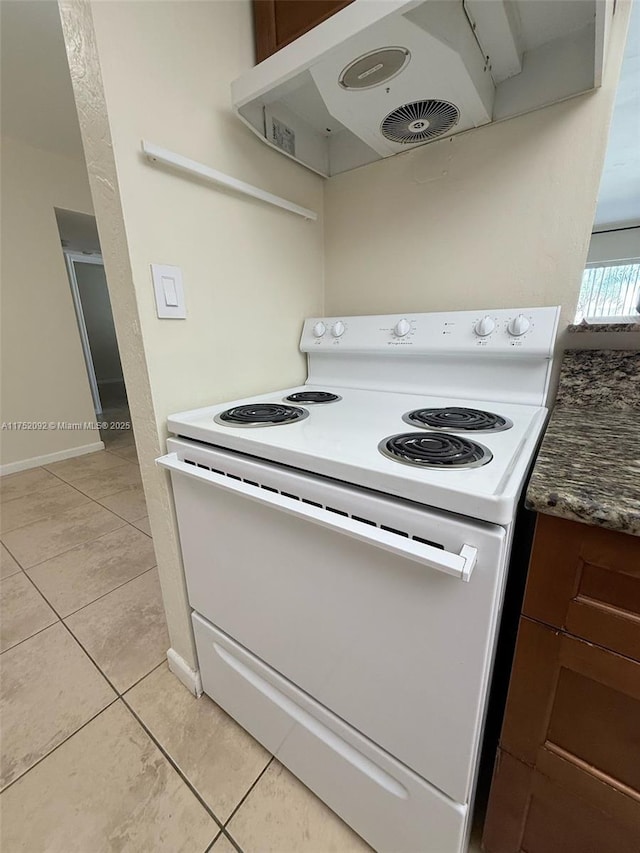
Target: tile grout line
[126,458]
[175,766]
[73,546]
[47,517]
[73,637]
[248,791]
[224,834]
[104,674]
[11,554]
[90,497]
[79,544]
[110,495]
[232,840]
[29,494]
[121,516]
[80,492]
[35,634]
[104,594]
[142,677]
[88,542]
[73,486]
[43,494]
[119,696]
[62,620]
[209,847]
[55,611]
[58,745]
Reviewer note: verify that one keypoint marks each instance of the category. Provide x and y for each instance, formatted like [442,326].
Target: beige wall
[500,216]
[43,371]
[251,272]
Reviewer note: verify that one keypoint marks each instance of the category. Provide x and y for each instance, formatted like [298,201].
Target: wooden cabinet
[278,22]
[567,775]
[586,581]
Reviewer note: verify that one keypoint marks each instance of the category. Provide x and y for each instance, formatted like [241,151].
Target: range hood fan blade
[419,121]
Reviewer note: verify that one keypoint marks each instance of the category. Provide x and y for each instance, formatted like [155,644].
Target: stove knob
[319,329]
[484,327]
[337,330]
[402,328]
[518,326]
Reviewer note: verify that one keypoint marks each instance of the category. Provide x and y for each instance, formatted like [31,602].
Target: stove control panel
[517,331]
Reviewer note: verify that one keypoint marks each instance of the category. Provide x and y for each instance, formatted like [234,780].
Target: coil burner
[261,414]
[435,450]
[457,418]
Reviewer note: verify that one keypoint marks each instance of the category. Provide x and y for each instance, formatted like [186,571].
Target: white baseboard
[181,669]
[49,458]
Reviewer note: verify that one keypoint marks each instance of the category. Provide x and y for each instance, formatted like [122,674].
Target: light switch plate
[167,284]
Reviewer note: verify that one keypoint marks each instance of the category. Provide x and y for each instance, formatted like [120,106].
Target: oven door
[383,611]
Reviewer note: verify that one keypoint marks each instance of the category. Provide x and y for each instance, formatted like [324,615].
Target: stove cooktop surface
[469,462]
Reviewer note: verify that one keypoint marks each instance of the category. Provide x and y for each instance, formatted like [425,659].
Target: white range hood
[383,76]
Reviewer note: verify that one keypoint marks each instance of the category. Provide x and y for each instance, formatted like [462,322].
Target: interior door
[95,322]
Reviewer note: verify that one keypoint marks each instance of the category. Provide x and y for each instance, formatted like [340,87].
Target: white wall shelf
[155,154]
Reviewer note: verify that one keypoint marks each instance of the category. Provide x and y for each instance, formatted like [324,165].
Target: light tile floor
[102,748]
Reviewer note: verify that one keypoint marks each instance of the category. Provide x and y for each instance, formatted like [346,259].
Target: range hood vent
[383,76]
[420,121]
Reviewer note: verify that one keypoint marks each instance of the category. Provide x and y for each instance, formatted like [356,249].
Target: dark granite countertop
[588,467]
[594,328]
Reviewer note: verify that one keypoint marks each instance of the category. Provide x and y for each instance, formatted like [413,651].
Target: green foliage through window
[609,292]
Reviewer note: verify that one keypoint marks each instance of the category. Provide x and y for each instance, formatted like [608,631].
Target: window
[610,293]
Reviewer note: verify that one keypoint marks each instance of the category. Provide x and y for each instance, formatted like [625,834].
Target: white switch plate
[167,284]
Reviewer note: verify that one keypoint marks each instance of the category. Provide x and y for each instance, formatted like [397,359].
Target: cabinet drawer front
[586,580]
[384,801]
[578,701]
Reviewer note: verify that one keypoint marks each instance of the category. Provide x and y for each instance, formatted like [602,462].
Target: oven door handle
[459,565]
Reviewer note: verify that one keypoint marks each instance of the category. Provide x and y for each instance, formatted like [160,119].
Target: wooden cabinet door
[278,22]
[569,762]
[577,700]
[531,812]
[586,580]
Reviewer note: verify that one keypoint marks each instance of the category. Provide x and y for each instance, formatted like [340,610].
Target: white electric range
[346,546]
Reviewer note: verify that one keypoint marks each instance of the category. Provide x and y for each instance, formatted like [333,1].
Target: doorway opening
[88,283]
